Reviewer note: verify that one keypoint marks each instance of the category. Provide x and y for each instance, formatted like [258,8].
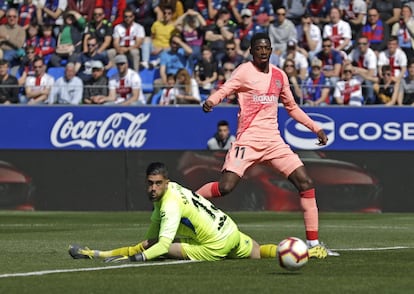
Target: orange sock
[310,213]
[209,190]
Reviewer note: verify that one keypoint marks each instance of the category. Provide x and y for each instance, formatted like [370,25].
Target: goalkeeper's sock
[209,190]
[268,251]
[126,251]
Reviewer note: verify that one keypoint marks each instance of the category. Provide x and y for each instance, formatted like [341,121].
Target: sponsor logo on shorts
[300,137]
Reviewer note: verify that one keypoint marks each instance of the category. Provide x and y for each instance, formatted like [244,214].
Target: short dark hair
[157,168]
[3,62]
[258,36]
[222,123]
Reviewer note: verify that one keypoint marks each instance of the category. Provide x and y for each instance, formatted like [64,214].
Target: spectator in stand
[365,64]
[338,30]
[231,54]
[376,31]
[224,74]
[97,87]
[393,57]
[50,12]
[262,11]
[331,62]
[355,13]
[161,32]
[191,25]
[389,10]
[295,81]
[219,32]
[9,88]
[319,10]
[176,5]
[206,71]
[26,67]
[69,43]
[144,11]
[32,35]
[404,31]
[47,44]
[406,92]
[84,8]
[38,87]
[281,31]
[67,89]
[12,37]
[102,30]
[114,10]
[316,88]
[125,87]
[244,32]
[4,6]
[208,9]
[300,61]
[128,38]
[187,88]
[222,139]
[27,14]
[83,66]
[172,60]
[169,92]
[348,90]
[309,37]
[387,88]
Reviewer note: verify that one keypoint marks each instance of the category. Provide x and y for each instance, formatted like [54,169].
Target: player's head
[260,49]
[157,180]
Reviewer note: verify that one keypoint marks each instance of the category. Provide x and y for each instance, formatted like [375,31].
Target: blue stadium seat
[147,77]
[155,100]
[56,72]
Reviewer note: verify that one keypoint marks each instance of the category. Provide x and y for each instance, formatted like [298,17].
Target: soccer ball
[292,253]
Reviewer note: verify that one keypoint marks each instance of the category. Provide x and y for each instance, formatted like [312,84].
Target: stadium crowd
[160,52]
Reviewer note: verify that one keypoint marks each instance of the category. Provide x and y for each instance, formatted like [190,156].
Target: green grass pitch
[377,256]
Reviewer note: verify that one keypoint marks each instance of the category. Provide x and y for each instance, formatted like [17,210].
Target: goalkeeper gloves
[124,258]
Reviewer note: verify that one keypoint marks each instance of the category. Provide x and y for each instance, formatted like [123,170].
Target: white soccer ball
[292,253]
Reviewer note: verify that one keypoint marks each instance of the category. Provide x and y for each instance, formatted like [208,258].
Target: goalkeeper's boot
[321,251]
[78,252]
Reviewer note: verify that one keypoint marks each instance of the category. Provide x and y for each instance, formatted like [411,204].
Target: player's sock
[268,251]
[209,190]
[127,251]
[310,214]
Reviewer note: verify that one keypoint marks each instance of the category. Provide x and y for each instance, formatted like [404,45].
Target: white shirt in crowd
[127,36]
[349,92]
[123,86]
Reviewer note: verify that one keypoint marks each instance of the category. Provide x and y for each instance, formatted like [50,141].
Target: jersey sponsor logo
[118,130]
[299,136]
[265,99]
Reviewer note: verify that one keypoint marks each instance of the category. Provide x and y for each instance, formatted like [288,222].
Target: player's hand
[322,138]
[207,106]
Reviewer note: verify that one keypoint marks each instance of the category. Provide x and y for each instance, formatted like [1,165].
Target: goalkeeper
[206,232]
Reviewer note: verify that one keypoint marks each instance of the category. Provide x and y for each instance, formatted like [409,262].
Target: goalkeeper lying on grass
[207,233]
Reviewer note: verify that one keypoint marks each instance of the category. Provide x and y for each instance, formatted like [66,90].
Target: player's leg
[228,181]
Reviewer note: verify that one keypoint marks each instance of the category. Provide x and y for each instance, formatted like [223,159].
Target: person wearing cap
[281,31]
[219,32]
[245,30]
[85,59]
[128,37]
[263,12]
[67,89]
[301,62]
[125,87]
[316,88]
[97,87]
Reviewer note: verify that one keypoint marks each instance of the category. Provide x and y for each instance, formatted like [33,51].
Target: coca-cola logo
[117,130]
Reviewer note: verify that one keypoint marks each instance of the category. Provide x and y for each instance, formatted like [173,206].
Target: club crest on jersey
[278,84]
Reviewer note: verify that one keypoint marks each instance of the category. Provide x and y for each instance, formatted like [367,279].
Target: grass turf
[31,242]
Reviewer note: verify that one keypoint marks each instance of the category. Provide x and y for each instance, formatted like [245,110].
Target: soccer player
[206,232]
[260,86]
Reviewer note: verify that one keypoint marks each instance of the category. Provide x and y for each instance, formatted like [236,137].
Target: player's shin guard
[209,190]
[268,251]
[310,214]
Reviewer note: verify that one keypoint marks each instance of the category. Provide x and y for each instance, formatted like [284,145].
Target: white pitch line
[373,249]
[88,269]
